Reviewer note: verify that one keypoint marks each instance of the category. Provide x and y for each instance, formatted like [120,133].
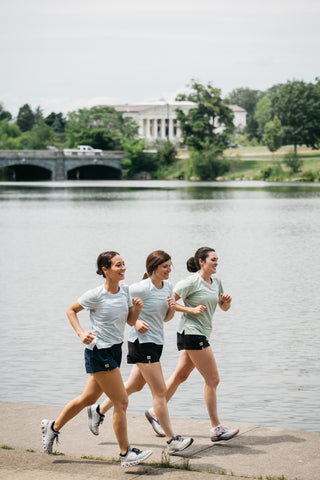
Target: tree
[4,114]
[11,137]
[247,99]
[56,121]
[297,104]
[263,114]
[26,118]
[273,134]
[209,122]
[38,116]
[39,137]
[100,127]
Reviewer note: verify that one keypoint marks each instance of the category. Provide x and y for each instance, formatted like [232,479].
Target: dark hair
[193,264]
[153,261]
[105,260]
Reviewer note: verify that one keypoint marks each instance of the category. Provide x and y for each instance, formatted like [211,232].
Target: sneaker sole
[90,421]
[150,420]
[135,462]
[180,449]
[219,439]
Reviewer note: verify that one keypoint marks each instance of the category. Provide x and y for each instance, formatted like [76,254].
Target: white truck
[82,150]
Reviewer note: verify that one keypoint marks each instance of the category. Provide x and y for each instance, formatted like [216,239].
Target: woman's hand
[86,337]
[137,303]
[142,326]
[198,310]
[171,304]
[225,302]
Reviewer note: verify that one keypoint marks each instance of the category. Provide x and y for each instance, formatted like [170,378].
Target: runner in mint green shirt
[201,293]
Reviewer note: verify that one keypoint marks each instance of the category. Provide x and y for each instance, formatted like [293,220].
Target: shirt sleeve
[127,292]
[183,288]
[88,300]
[139,290]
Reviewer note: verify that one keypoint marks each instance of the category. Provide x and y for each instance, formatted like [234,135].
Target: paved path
[257,452]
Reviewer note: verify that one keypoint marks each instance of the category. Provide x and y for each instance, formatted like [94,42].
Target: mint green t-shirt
[195,291]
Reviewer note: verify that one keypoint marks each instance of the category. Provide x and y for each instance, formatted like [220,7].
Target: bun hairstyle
[105,260]
[193,264]
[153,261]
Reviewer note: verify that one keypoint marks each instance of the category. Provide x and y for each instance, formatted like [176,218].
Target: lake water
[267,239]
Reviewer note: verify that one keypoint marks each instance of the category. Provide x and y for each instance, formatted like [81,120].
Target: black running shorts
[144,352]
[191,342]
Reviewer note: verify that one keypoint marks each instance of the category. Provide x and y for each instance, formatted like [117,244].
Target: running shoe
[48,435]
[222,433]
[94,419]
[152,418]
[134,456]
[178,443]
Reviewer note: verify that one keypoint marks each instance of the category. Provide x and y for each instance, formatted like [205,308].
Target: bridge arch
[27,169]
[93,172]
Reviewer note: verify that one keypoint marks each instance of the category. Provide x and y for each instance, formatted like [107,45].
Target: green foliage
[266,172]
[39,137]
[201,126]
[100,127]
[308,176]
[6,447]
[56,121]
[273,134]
[166,154]
[136,160]
[247,99]
[263,114]
[293,161]
[26,118]
[297,104]
[11,137]
[207,164]
[4,114]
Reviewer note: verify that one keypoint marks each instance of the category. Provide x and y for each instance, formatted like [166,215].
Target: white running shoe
[178,443]
[48,435]
[134,456]
[222,433]
[94,419]
[152,418]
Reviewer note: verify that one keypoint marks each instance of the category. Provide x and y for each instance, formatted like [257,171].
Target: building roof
[140,108]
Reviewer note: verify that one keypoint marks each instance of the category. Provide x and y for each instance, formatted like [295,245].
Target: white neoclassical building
[158,121]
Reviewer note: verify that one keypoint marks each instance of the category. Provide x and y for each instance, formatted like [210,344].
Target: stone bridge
[56,165]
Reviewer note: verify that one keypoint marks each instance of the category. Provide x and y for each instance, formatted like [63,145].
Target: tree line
[285,114]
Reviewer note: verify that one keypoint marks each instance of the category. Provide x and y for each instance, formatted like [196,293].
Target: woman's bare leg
[112,385]
[152,373]
[205,363]
[90,395]
[135,383]
[183,369]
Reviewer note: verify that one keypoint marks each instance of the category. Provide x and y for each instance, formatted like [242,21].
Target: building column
[163,129]
[171,136]
[148,128]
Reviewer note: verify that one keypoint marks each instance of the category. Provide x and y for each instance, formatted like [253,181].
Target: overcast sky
[68,54]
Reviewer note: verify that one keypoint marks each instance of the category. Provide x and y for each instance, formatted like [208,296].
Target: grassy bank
[257,163]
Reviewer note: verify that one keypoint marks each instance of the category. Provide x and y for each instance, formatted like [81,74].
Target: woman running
[110,308]
[201,293]
[145,344]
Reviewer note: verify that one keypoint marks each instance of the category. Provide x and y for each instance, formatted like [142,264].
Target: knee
[213,382]
[121,403]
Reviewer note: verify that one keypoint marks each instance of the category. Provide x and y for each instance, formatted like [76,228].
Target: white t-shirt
[108,314]
[154,310]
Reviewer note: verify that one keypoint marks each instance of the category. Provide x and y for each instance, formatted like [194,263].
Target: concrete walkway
[257,452]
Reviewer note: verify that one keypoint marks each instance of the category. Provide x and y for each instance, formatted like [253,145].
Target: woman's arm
[171,310]
[85,337]
[193,310]
[225,302]
[134,311]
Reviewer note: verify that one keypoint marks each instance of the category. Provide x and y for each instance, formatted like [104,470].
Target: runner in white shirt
[145,344]
[110,308]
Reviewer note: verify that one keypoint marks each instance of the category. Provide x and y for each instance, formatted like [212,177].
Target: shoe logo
[107,365]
